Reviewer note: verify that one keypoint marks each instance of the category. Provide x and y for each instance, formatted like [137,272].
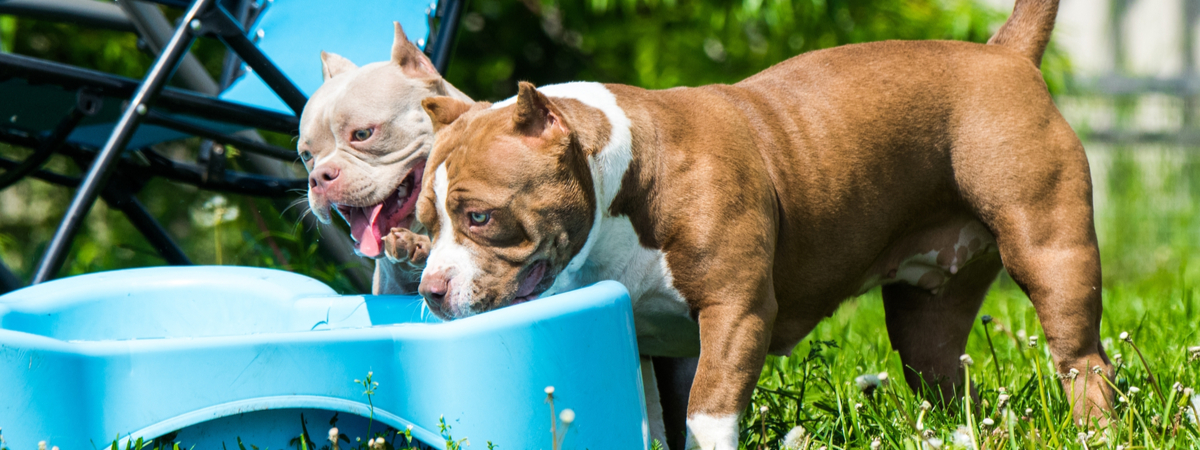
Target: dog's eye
[361,134]
[479,218]
[306,156]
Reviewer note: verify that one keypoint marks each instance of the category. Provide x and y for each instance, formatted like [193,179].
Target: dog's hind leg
[930,329]
[1035,196]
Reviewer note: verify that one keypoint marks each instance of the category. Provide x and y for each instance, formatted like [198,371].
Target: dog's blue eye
[306,156]
[479,218]
[362,134]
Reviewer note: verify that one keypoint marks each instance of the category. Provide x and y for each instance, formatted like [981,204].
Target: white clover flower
[883,377]
[41,445]
[333,432]
[549,390]
[1033,341]
[567,416]
[875,444]
[1096,369]
[1028,411]
[987,422]
[966,360]
[1124,336]
[925,406]
[1133,390]
[1073,373]
[762,409]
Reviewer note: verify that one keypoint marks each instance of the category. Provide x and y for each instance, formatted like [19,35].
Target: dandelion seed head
[1134,390]
[41,445]
[762,409]
[1028,411]
[1096,369]
[883,377]
[987,422]
[1124,336]
[567,416]
[867,383]
[966,360]
[794,438]
[1033,341]
[875,444]
[962,437]
[549,390]
[333,432]
[925,406]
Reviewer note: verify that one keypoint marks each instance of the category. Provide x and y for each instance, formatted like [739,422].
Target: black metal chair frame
[151,102]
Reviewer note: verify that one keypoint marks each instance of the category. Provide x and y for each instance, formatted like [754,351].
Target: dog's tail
[1028,28]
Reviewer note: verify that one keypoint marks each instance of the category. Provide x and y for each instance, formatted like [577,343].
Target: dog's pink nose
[322,177]
[434,287]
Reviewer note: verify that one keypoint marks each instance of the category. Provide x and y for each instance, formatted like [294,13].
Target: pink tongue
[366,230]
[531,281]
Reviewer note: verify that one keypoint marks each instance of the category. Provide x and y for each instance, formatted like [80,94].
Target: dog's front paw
[404,246]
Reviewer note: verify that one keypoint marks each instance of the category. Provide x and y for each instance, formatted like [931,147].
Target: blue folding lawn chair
[110,122]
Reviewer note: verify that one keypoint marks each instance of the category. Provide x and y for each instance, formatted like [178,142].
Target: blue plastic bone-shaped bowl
[209,355]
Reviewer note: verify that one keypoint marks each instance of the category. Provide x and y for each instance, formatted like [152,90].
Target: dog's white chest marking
[612,250]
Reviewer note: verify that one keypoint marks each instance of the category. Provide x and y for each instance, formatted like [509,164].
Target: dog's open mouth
[528,289]
[369,224]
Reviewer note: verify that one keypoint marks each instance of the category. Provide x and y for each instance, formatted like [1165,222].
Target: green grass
[1148,221]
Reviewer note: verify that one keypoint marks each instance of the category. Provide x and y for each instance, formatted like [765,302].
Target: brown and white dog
[741,215]
[364,139]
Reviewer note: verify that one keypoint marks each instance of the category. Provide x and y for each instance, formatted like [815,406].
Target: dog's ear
[444,110]
[333,65]
[536,115]
[411,59]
